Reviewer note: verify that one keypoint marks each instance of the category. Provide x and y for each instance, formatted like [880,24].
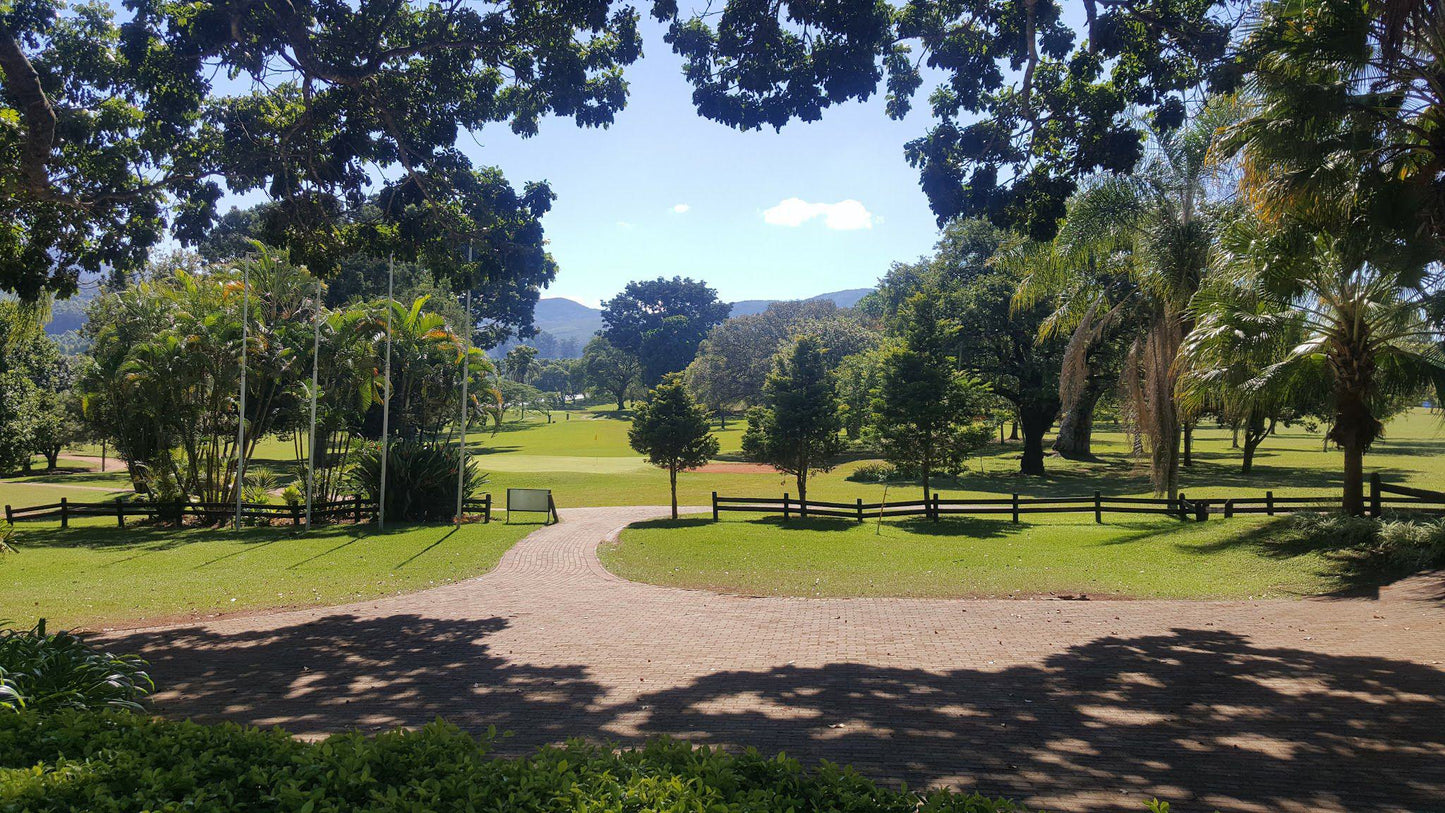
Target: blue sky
[818,207]
[664,192]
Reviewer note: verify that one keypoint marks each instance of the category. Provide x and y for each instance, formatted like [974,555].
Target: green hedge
[113,761]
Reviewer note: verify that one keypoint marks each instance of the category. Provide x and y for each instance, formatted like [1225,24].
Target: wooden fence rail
[354,508]
[1014,506]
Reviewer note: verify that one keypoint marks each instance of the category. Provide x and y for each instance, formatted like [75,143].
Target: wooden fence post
[487,508]
[1016,508]
[1375,495]
[936,514]
[9,515]
[785,506]
[120,512]
[1269,502]
[1179,507]
[714,506]
[64,512]
[296,515]
[181,514]
[1228,509]
[1098,508]
[860,510]
[1201,510]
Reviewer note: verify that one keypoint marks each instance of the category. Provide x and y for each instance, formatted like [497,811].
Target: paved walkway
[1280,705]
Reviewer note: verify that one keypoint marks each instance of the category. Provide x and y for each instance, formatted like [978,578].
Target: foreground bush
[44,672]
[112,762]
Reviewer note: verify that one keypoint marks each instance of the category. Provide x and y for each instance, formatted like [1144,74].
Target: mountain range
[567,319]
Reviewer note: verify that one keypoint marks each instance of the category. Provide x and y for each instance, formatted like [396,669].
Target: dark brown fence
[1014,506]
[351,509]
[1383,496]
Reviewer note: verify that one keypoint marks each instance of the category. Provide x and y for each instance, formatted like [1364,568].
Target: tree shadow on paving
[343,672]
[1201,717]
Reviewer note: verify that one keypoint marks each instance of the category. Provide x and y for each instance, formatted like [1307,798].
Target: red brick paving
[1330,704]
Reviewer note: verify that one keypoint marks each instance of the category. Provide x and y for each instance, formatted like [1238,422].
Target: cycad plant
[1333,311]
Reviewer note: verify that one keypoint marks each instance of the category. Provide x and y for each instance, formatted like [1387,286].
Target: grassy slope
[586,462]
[585,459]
[1125,557]
[97,573]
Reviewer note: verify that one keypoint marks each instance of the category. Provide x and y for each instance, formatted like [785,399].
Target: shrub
[874,473]
[1335,530]
[421,480]
[1411,546]
[46,672]
[114,762]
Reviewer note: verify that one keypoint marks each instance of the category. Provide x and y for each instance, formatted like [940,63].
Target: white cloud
[845,215]
[681,209]
[623,224]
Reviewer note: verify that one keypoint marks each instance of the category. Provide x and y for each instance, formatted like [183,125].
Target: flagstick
[386,405]
[315,364]
[241,416]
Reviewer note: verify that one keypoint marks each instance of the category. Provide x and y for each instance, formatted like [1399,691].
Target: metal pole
[315,364]
[466,378]
[386,405]
[241,415]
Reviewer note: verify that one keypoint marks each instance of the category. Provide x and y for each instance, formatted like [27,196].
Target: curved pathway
[1281,705]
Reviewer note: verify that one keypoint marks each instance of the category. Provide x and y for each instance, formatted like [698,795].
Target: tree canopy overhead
[1027,103]
[345,114]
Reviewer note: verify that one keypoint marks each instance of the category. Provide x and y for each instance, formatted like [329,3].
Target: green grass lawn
[100,575]
[584,458]
[1126,557]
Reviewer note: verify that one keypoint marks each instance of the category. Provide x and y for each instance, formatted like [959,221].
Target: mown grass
[1126,557]
[583,456]
[95,574]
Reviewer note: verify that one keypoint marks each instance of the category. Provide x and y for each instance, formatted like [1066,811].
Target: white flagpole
[241,415]
[386,405]
[315,365]
[466,378]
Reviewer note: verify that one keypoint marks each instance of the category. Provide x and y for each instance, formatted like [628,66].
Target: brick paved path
[1279,705]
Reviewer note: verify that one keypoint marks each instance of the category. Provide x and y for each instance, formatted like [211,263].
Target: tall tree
[1353,80]
[735,359]
[924,411]
[797,429]
[344,105]
[661,322]
[672,431]
[607,369]
[1361,305]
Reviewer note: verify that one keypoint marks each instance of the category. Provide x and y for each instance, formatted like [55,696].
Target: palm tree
[1132,251]
[1342,313]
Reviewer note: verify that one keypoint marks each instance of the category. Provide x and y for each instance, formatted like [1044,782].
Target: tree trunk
[722,419]
[1013,432]
[672,481]
[1189,444]
[802,479]
[1234,441]
[1035,420]
[620,397]
[1076,430]
[1355,427]
[1254,434]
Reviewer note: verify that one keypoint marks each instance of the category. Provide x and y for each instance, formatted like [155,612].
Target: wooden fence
[935,507]
[354,509]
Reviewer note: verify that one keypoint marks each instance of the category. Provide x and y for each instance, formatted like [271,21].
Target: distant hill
[843,299]
[566,319]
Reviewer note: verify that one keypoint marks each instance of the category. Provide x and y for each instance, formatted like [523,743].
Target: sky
[819,207]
